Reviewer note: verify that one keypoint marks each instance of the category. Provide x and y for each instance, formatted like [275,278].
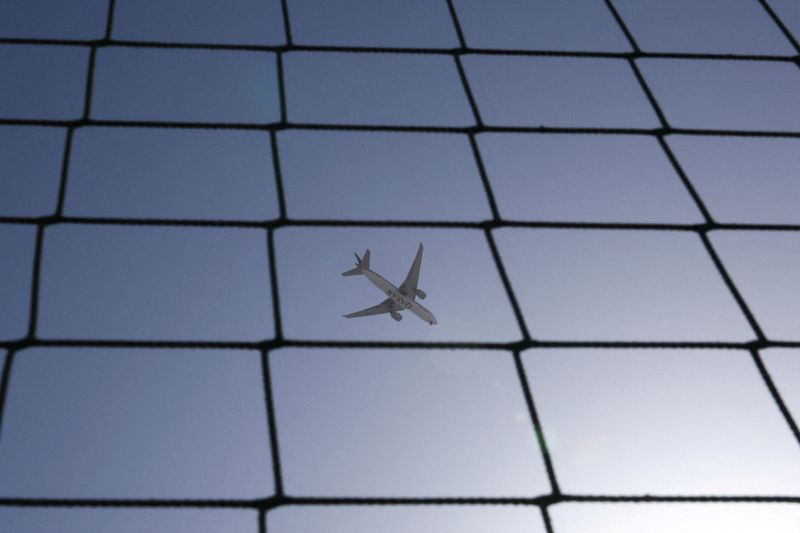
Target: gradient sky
[180,135]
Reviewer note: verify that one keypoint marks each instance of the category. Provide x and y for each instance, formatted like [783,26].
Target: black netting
[280,498]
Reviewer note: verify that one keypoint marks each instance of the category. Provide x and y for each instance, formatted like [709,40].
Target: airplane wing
[386,306]
[409,286]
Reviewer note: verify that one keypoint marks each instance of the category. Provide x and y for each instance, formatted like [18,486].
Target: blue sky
[612,251]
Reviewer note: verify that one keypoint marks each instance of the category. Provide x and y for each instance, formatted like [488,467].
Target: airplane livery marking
[397,297]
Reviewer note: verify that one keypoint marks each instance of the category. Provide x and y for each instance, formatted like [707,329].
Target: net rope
[280,498]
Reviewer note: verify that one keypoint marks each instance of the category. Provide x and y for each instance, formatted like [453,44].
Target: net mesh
[280,498]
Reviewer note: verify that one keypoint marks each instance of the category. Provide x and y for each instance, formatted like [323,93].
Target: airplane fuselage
[405,302]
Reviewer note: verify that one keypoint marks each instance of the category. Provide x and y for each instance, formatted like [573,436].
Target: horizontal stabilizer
[360,264]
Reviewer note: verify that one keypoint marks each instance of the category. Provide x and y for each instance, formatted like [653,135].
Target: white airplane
[399,299]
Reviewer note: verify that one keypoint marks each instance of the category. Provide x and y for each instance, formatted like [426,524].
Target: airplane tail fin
[360,263]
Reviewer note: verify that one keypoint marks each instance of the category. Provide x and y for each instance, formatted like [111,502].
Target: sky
[174,222]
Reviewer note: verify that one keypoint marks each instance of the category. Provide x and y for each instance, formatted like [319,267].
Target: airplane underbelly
[400,299]
[411,305]
[379,282]
[423,313]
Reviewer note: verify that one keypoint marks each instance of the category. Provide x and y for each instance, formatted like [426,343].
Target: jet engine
[421,294]
[397,316]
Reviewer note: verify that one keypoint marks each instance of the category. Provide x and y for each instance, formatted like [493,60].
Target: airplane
[399,298]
